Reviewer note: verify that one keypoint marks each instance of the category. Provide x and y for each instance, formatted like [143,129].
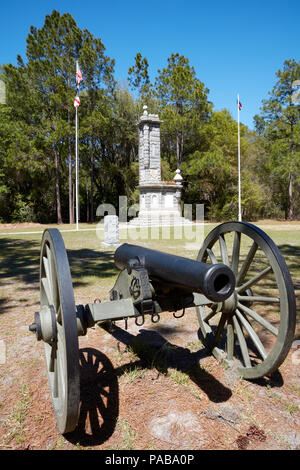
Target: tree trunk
[74,202]
[291,208]
[71,211]
[56,158]
[87,200]
[92,190]
[58,204]
[181,148]
[291,201]
[178,149]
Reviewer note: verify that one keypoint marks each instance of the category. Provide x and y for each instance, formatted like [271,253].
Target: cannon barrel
[215,281]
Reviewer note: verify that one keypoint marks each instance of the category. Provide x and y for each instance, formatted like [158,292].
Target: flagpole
[76,165]
[239,161]
[76,146]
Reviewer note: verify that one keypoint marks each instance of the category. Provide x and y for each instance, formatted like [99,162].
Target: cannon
[239,285]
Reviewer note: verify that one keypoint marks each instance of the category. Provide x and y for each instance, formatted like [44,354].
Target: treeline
[37,142]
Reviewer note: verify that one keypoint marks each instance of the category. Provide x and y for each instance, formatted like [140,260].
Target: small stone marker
[111,230]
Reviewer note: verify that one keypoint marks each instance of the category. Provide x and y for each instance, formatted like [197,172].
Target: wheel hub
[230,304]
[45,325]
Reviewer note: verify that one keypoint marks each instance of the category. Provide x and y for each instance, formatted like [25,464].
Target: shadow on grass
[20,259]
[290,250]
[88,262]
[4,305]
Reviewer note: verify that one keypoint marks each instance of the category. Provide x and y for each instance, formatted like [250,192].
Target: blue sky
[235,47]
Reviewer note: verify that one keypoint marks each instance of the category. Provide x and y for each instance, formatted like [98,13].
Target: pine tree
[279,122]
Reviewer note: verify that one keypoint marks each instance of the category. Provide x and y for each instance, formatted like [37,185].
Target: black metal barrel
[215,281]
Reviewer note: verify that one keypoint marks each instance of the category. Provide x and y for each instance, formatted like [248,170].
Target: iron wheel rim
[62,355]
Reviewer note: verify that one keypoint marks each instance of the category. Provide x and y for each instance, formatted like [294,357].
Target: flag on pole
[78,74]
[239,104]
[76,101]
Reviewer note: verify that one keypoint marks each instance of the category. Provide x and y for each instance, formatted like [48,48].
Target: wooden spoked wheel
[58,327]
[256,325]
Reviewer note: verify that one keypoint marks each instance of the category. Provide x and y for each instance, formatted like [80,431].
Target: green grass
[179,377]
[129,436]
[132,373]
[193,346]
[291,408]
[15,422]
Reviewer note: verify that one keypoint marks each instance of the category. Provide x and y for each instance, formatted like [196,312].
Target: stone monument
[111,231]
[160,201]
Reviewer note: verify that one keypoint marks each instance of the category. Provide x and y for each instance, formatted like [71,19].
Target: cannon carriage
[239,285]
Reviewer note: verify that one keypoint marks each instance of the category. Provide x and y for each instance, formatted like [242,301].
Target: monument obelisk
[160,201]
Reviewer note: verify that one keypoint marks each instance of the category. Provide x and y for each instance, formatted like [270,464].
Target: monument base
[160,204]
[151,219]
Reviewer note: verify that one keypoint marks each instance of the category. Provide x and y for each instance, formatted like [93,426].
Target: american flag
[239,104]
[78,74]
[76,101]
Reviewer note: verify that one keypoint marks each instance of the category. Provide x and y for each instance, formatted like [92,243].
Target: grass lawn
[92,267]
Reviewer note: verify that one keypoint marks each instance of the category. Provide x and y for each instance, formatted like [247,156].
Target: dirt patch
[151,389]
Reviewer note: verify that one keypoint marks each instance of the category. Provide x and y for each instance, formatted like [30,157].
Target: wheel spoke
[55,379]
[52,357]
[45,284]
[254,298]
[209,315]
[242,342]
[254,280]
[58,315]
[246,264]
[48,276]
[256,341]
[212,257]
[49,259]
[59,362]
[54,287]
[262,321]
[230,340]
[220,329]
[236,252]
[223,248]
[55,295]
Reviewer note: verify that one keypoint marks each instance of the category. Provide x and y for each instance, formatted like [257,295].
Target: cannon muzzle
[215,281]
